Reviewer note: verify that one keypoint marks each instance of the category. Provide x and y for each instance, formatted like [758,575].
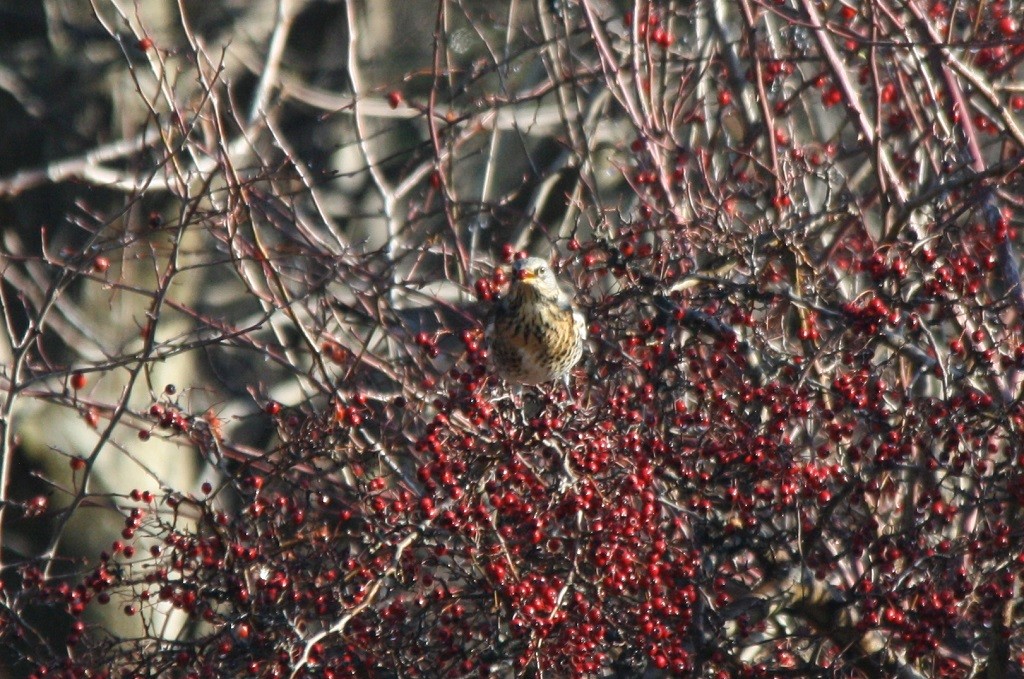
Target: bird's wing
[567,296]
[580,321]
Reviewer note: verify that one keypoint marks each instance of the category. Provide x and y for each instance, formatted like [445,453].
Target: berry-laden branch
[561,339]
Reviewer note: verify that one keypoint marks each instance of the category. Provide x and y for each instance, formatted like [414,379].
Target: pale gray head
[538,275]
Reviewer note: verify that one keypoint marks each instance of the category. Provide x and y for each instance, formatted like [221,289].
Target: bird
[536,333]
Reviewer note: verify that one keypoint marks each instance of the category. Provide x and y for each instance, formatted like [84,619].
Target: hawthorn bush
[248,423]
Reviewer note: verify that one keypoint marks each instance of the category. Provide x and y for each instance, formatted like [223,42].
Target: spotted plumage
[536,334]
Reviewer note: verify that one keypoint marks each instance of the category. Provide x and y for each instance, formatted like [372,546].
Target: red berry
[831,97]
[483,289]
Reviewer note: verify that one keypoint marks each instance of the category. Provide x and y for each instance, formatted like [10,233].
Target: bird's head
[537,275]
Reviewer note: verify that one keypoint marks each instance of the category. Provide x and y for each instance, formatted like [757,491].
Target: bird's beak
[525,275]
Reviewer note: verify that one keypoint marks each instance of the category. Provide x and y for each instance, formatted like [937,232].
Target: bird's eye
[542,270]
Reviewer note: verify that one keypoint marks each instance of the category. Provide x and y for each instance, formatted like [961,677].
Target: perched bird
[536,334]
